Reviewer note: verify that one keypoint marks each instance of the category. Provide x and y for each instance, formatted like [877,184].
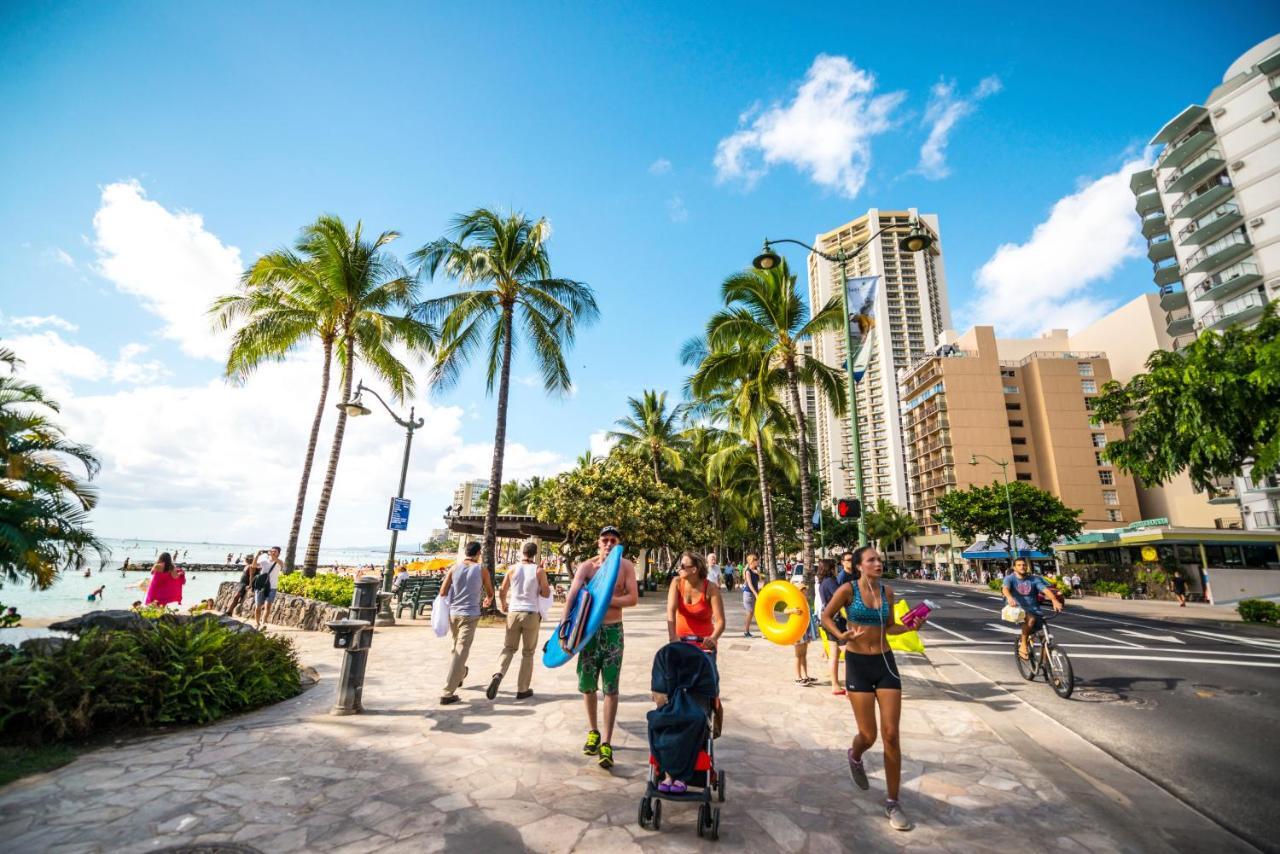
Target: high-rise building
[1209,213]
[911,310]
[1023,401]
[470,495]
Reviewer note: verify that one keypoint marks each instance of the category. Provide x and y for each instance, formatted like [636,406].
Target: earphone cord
[884,632]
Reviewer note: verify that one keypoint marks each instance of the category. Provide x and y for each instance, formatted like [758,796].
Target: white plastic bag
[1012,614]
[544,606]
[440,615]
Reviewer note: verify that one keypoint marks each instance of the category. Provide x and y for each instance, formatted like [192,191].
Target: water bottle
[913,618]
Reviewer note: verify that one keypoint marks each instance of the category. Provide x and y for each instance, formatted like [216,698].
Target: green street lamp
[1004,470]
[355,408]
[916,240]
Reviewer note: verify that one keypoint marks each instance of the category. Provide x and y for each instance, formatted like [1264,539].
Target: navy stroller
[680,736]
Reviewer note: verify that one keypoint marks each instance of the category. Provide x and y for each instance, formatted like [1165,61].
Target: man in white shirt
[713,571]
[264,590]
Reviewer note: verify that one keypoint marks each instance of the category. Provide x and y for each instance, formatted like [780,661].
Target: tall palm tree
[585,460]
[371,295]
[652,432]
[44,505]
[503,269]
[764,309]
[282,304]
[889,523]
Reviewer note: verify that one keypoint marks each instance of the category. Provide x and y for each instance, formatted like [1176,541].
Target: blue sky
[146,143]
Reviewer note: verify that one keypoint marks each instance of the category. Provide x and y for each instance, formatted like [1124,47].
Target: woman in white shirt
[525,583]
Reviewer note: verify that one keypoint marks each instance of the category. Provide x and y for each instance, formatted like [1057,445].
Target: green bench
[417,593]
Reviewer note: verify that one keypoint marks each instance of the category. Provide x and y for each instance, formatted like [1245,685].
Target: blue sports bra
[860,614]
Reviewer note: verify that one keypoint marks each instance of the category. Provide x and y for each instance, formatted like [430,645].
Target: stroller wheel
[656,819]
[720,786]
[645,812]
[704,819]
[715,823]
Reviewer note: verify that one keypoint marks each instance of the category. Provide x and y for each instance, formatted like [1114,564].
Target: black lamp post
[916,240]
[355,408]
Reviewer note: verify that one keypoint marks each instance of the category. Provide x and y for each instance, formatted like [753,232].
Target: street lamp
[1004,470]
[916,240]
[355,408]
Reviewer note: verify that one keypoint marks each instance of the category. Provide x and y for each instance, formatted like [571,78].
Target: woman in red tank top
[695,607]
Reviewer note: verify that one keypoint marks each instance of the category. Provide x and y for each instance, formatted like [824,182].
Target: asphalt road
[1192,708]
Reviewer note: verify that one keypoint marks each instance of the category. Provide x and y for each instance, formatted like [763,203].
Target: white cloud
[825,131]
[601,443]
[128,369]
[53,363]
[35,322]
[676,210]
[942,114]
[60,256]
[529,380]
[168,261]
[1044,283]
[661,166]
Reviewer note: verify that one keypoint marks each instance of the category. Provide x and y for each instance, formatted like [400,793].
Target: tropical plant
[322,587]
[983,510]
[503,269]
[1211,408]
[890,524]
[44,504]
[1258,611]
[652,432]
[764,312]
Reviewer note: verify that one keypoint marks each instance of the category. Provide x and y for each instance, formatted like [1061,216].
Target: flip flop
[839,692]
[665,788]
[678,787]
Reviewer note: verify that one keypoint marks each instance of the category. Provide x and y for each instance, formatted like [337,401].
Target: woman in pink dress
[166,582]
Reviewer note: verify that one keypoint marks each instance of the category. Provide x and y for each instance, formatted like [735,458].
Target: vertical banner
[860,298]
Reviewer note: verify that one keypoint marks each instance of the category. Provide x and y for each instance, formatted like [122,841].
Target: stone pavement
[410,775]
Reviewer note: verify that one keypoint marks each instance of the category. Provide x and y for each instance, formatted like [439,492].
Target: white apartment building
[467,495]
[911,310]
[1210,209]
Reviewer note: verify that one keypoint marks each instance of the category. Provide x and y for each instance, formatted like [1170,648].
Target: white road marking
[1069,645]
[1006,629]
[1063,627]
[1162,638]
[1133,657]
[935,625]
[1265,644]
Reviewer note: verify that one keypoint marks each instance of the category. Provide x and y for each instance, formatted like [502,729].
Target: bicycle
[1043,655]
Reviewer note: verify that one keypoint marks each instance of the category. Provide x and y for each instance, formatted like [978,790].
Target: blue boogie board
[586,615]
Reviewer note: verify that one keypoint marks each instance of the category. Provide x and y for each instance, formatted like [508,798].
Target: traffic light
[848,508]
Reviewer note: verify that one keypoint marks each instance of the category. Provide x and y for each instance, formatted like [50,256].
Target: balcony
[1179,324]
[1141,182]
[1228,282]
[933,426]
[1160,247]
[1269,484]
[1233,312]
[929,447]
[1166,272]
[1172,298]
[1212,225]
[938,404]
[1198,201]
[1155,222]
[1178,153]
[1222,490]
[1179,124]
[1194,171]
[943,479]
[1266,518]
[1219,253]
[935,463]
[1147,202]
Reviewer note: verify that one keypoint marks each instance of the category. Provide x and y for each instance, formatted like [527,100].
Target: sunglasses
[687,566]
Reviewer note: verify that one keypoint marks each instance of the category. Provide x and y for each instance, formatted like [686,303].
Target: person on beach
[750,590]
[265,581]
[828,584]
[96,596]
[463,583]
[871,673]
[600,661]
[166,582]
[401,577]
[525,583]
[802,646]
[242,586]
[695,613]
[714,575]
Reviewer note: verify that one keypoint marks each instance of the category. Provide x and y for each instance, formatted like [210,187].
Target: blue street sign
[398,515]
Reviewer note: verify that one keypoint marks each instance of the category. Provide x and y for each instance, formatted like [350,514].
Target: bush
[1258,611]
[995,583]
[1120,587]
[324,587]
[190,672]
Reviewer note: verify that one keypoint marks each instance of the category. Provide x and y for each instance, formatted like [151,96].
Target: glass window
[1086,368]
[1113,516]
[1013,407]
[1109,497]
[1097,458]
[1088,403]
[1099,440]
[1013,423]
[1018,440]
[1260,557]
[1088,386]
[1106,477]
[1021,458]
[1010,389]
[1022,475]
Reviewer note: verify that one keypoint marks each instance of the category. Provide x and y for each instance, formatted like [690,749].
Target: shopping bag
[440,615]
[907,641]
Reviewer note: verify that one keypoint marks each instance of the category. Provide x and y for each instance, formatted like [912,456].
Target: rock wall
[293,611]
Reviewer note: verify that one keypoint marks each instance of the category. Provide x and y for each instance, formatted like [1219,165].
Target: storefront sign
[1147,523]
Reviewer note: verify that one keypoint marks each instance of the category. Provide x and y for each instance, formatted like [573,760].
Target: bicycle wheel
[1026,667]
[1061,677]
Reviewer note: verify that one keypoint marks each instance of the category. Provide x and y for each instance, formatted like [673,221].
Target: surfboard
[586,614]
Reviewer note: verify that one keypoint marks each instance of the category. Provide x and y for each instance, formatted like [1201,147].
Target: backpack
[262,581]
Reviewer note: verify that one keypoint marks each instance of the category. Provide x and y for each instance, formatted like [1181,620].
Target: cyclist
[1022,590]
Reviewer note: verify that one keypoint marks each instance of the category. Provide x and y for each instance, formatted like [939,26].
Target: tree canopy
[1041,519]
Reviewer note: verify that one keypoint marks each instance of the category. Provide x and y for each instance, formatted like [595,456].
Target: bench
[417,593]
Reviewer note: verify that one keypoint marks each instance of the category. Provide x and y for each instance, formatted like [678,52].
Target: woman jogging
[871,674]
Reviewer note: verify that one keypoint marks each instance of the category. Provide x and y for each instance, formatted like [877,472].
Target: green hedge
[995,583]
[1111,587]
[1258,611]
[179,673]
[324,587]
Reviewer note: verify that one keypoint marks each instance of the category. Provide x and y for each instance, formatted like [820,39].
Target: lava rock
[43,646]
[114,620]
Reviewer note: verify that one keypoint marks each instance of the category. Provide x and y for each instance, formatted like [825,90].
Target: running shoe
[592,747]
[606,756]
[897,818]
[858,771]
[492,691]
[450,699]
[524,695]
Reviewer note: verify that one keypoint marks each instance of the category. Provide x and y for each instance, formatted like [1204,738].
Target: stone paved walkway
[410,775]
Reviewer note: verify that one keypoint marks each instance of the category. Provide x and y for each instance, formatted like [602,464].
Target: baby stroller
[680,736]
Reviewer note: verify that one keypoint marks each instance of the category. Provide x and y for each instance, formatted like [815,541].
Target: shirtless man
[601,659]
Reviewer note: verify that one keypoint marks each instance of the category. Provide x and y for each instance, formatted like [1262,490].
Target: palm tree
[43,505]
[585,460]
[763,309]
[504,271]
[282,304]
[889,523]
[371,296]
[652,432]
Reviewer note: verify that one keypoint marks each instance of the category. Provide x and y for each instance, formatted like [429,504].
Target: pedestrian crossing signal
[848,508]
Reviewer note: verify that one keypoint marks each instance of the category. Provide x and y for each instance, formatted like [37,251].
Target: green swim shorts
[601,659]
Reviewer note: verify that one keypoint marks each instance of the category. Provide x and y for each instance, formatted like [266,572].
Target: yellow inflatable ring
[782,628]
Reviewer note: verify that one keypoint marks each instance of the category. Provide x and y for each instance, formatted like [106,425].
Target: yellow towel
[907,641]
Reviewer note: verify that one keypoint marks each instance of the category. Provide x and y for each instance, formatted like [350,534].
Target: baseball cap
[609,529]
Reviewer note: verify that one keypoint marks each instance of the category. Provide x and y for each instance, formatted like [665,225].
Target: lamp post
[1004,470]
[355,408]
[917,240]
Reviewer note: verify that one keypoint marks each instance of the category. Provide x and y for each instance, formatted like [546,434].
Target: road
[1192,708]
